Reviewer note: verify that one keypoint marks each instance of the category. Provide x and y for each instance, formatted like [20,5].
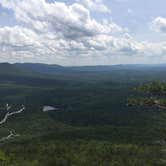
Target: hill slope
[93,125]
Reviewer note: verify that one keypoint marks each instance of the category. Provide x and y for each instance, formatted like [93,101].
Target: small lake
[49,108]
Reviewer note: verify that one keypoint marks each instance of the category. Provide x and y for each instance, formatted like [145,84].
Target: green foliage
[81,153]
[93,126]
[155,87]
[141,101]
[154,93]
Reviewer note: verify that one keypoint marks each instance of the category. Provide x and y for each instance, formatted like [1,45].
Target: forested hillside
[96,122]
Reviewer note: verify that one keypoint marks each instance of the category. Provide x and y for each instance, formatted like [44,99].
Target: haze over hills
[85,73]
[46,68]
[30,68]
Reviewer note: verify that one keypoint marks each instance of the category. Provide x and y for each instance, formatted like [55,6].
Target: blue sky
[83,32]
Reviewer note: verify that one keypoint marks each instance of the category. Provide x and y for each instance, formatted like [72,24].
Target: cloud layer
[59,33]
[159,24]
[95,5]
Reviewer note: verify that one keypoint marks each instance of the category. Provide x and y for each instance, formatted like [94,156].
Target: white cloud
[60,33]
[71,21]
[159,24]
[95,5]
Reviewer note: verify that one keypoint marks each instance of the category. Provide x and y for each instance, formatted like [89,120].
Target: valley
[93,124]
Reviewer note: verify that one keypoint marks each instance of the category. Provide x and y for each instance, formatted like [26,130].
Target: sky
[83,32]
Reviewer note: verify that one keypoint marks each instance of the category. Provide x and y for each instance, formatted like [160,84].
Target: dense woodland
[107,116]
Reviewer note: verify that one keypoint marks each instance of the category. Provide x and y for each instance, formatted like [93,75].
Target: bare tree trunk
[7,115]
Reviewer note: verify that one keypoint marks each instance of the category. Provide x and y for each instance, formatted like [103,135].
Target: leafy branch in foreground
[155,93]
[156,88]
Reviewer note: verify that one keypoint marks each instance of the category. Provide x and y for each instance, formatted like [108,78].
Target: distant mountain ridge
[114,72]
[39,67]
[11,69]
[51,69]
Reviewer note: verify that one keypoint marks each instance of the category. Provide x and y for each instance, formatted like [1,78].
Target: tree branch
[11,135]
[10,114]
[157,104]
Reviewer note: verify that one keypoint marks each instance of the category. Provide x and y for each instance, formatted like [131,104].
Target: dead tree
[12,133]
